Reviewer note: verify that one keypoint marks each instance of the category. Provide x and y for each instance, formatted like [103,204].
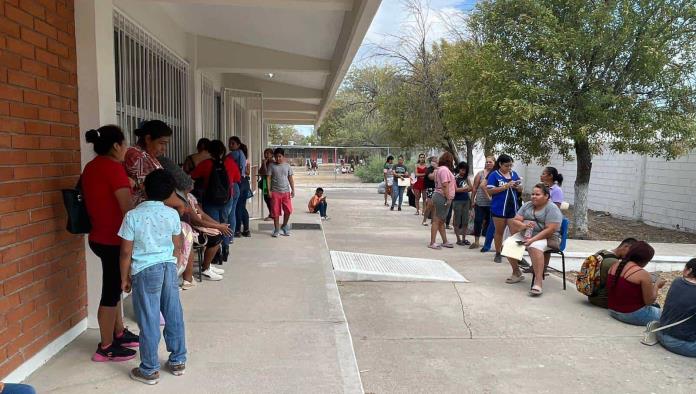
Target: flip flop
[447,245]
[514,279]
[536,291]
[435,246]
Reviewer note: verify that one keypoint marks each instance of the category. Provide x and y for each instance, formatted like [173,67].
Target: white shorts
[540,244]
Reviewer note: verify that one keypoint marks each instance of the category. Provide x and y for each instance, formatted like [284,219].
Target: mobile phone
[654,277]
[520,242]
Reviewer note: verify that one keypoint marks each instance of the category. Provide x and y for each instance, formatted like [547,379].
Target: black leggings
[267,199]
[111,273]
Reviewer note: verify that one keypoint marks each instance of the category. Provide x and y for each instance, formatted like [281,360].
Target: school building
[212,68]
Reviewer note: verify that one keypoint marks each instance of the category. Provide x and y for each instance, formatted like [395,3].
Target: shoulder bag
[78,219]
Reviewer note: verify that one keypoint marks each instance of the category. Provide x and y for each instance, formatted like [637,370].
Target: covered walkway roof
[295,52]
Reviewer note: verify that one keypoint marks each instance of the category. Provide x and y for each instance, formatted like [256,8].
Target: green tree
[584,76]
[283,134]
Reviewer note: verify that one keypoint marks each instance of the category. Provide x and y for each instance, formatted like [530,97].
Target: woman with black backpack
[218,174]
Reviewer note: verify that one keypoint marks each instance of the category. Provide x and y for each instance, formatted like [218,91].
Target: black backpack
[218,190]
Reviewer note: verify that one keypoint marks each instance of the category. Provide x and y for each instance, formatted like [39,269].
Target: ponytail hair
[104,138]
[244,150]
[640,253]
[217,149]
[502,159]
[557,178]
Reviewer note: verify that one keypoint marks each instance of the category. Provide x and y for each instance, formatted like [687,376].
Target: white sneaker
[217,270]
[186,285]
[210,275]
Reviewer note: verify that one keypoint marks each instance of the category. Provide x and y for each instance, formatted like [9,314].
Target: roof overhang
[295,52]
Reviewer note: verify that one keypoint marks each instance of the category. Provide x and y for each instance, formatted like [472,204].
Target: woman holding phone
[505,187]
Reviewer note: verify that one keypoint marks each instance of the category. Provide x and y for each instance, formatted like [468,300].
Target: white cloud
[305,129]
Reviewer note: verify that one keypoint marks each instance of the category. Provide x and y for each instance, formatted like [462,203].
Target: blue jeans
[242,214]
[640,317]
[490,234]
[155,290]
[15,388]
[221,213]
[321,208]
[232,214]
[675,345]
[397,192]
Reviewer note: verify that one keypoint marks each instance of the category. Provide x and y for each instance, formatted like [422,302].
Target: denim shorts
[640,317]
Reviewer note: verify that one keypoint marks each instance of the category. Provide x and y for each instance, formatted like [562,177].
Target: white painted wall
[655,190]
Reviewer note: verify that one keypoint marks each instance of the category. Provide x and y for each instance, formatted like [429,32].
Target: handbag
[650,333]
[78,219]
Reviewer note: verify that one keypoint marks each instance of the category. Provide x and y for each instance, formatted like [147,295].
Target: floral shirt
[138,165]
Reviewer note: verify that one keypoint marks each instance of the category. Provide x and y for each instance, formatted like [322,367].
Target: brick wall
[42,267]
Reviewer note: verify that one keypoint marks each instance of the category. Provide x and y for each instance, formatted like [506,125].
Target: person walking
[400,173]
[429,185]
[282,192]
[263,180]
[388,172]
[239,152]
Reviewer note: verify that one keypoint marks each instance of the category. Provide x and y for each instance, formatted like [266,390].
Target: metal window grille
[151,83]
[208,109]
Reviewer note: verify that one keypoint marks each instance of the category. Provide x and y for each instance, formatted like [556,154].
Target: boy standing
[282,192]
[151,244]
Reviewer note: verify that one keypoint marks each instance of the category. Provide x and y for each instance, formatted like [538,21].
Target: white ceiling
[308,28]
[310,33]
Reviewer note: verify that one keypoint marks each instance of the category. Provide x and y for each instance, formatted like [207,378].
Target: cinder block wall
[657,191]
[42,267]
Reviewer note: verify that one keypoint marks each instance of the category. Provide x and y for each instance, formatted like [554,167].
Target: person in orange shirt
[318,203]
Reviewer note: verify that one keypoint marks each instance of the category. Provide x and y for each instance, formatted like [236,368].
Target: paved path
[275,324]
[483,336]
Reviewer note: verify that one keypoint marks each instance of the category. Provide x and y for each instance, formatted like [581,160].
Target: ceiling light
[270,75]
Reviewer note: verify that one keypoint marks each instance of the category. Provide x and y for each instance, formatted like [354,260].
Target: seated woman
[631,289]
[679,305]
[537,226]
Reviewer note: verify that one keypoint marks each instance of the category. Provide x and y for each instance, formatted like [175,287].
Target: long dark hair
[502,159]
[557,178]
[465,166]
[640,253]
[156,129]
[104,138]
[244,150]
[217,149]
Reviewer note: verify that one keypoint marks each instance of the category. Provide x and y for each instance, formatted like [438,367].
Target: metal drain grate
[351,267]
[293,226]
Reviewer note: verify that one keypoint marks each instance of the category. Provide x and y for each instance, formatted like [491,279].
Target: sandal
[536,291]
[435,246]
[447,245]
[425,224]
[465,242]
[475,245]
[514,279]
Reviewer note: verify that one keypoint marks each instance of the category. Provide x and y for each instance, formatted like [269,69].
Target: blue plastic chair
[564,238]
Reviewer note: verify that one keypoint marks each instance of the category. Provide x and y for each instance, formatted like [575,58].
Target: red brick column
[42,267]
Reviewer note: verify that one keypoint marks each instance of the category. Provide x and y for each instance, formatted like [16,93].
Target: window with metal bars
[208,109]
[151,83]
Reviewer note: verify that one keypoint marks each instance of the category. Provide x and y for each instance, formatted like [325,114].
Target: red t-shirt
[100,180]
[204,168]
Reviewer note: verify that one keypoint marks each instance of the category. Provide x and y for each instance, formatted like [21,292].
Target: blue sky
[390,19]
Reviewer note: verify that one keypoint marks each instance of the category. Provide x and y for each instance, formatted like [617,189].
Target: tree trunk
[488,147]
[451,147]
[582,185]
[470,145]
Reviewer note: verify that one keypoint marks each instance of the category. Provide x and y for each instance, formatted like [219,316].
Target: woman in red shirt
[217,211]
[107,192]
[141,159]
[419,186]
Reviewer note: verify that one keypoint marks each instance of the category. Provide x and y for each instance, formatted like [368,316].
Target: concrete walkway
[275,324]
[484,336]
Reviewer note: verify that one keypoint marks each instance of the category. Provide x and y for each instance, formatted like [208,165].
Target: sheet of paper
[512,249]
[404,181]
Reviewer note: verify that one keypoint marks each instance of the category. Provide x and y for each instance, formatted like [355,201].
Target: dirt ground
[603,226]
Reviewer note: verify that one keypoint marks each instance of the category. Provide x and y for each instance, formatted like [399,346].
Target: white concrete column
[96,76]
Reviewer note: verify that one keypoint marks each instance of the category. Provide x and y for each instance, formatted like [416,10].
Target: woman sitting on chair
[537,225]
